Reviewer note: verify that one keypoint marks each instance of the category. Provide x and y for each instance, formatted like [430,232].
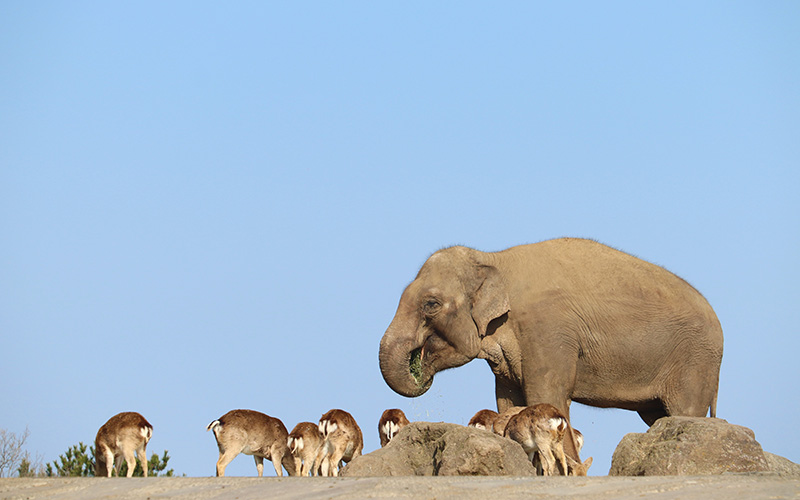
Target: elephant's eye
[431,306]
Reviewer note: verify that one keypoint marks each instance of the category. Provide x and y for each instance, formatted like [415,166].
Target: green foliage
[25,469]
[75,462]
[415,365]
[30,469]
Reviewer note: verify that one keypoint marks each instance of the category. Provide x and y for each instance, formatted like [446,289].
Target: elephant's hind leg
[650,416]
[691,395]
[651,411]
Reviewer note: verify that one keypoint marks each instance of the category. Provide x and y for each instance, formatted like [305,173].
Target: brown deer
[118,439]
[483,419]
[390,423]
[252,433]
[499,426]
[343,441]
[575,468]
[540,429]
[578,469]
[304,442]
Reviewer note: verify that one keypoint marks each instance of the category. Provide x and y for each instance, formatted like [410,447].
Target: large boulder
[689,446]
[782,466]
[440,449]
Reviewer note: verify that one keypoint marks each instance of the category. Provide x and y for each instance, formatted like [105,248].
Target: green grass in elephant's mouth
[415,365]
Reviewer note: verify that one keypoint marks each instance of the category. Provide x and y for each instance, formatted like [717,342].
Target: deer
[578,439]
[575,468]
[252,433]
[540,429]
[118,439]
[483,419]
[390,423]
[499,425]
[304,443]
[343,441]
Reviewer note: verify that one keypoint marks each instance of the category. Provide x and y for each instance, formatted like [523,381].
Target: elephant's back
[597,291]
[588,264]
[596,274]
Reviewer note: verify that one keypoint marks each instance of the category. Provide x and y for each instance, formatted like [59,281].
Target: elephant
[561,320]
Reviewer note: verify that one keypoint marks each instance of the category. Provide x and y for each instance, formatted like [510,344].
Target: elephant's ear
[490,300]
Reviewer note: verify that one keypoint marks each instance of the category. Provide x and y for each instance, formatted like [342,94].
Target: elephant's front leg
[507,393]
[561,402]
[550,379]
[507,374]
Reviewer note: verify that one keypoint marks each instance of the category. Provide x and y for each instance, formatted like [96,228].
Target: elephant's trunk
[401,364]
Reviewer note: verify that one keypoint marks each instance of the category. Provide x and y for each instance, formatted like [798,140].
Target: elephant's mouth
[415,365]
[406,368]
[417,368]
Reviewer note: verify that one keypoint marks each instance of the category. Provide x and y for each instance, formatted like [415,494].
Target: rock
[440,449]
[782,466]
[689,446]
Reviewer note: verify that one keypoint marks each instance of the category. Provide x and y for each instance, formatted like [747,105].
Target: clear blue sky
[209,206]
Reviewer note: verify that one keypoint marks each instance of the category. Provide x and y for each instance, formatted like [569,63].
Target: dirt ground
[751,486]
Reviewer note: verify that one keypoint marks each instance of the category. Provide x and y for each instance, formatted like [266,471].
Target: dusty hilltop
[769,485]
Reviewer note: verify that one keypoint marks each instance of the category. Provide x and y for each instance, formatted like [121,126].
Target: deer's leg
[259,465]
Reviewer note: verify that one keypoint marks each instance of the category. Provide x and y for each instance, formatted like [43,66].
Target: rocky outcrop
[689,446]
[782,466]
[672,446]
[440,449]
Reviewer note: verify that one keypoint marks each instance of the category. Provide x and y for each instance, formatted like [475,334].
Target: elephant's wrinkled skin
[559,321]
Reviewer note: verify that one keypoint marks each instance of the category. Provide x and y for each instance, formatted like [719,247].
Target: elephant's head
[441,318]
